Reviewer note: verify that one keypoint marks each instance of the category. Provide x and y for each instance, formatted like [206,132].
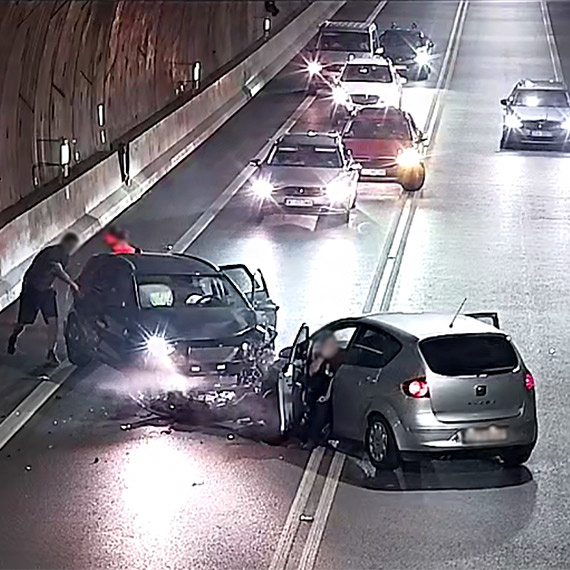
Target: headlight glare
[314,67]
[340,96]
[159,347]
[566,124]
[262,188]
[409,157]
[422,57]
[513,122]
[337,190]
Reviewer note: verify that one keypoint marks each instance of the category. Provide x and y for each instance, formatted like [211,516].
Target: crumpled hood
[401,52]
[281,176]
[367,149]
[541,113]
[197,323]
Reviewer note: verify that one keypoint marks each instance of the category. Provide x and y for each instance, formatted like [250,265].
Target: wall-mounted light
[266,26]
[102,136]
[101,115]
[196,74]
[64,152]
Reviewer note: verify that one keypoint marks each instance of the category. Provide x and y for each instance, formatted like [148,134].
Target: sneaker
[52,358]
[12,344]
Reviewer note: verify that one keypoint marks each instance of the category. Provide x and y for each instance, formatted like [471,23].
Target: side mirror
[255,162]
[422,137]
[356,166]
[379,51]
[286,352]
[504,102]
[403,79]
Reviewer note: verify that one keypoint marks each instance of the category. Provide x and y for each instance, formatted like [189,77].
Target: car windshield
[305,155]
[540,98]
[367,73]
[380,129]
[469,354]
[345,41]
[401,38]
[188,291]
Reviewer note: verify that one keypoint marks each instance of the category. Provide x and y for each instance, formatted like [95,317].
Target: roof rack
[347,25]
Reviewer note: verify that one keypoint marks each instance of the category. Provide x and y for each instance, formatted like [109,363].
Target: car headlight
[409,157]
[340,96]
[159,347]
[422,57]
[262,188]
[566,124]
[314,67]
[337,190]
[513,122]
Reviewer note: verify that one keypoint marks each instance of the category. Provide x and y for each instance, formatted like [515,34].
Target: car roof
[310,138]
[547,84]
[425,325]
[367,60]
[164,263]
[341,26]
[385,114]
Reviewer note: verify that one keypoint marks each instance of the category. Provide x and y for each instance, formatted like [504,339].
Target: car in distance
[177,314]
[306,173]
[409,386]
[410,50]
[371,82]
[536,113]
[336,42]
[388,145]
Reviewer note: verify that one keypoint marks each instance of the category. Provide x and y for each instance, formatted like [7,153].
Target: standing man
[38,293]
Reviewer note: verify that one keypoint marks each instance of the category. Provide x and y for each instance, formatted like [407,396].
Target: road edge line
[551,41]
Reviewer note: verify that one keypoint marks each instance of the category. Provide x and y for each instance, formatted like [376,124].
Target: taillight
[529,381]
[416,388]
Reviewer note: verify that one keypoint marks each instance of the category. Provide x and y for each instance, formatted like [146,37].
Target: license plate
[373,171]
[298,202]
[540,134]
[485,435]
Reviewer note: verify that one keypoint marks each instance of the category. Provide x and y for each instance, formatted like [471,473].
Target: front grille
[541,125]
[364,99]
[380,162]
[334,67]
[212,353]
[302,191]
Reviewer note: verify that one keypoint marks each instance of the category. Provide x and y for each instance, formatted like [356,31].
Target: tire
[423,73]
[380,444]
[415,180]
[77,352]
[345,217]
[515,456]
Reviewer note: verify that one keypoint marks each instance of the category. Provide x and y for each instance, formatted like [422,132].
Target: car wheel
[414,180]
[77,352]
[514,456]
[345,217]
[380,444]
[423,74]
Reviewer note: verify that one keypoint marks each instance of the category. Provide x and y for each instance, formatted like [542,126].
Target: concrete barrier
[92,200]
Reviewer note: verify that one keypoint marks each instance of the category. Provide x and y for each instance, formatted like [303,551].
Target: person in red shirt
[118,241]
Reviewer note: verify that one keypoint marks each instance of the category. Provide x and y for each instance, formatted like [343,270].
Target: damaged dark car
[187,330]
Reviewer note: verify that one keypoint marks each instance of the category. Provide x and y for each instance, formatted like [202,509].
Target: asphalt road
[78,491]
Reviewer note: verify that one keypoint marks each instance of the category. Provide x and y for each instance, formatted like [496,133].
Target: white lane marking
[198,227]
[310,551]
[551,40]
[374,14]
[16,420]
[309,555]
[281,554]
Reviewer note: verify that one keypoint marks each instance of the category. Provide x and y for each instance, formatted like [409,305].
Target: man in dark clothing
[38,294]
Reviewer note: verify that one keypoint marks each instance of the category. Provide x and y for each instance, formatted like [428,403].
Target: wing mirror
[504,102]
[286,352]
[379,51]
[403,79]
[355,166]
[255,162]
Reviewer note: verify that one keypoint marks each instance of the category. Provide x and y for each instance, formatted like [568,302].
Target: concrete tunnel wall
[61,59]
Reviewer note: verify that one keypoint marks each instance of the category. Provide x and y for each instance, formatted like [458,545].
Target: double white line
[382,287]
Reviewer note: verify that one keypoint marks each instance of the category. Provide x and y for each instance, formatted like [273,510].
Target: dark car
[176,313]
[410,50]
[388,145]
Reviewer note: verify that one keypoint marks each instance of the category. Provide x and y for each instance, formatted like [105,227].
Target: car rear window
[470,354]
[367,73]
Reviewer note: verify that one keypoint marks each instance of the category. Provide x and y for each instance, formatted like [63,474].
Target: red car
[388,145]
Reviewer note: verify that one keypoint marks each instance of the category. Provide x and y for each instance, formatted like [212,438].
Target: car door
[254,288]
[359,381]
[290,383]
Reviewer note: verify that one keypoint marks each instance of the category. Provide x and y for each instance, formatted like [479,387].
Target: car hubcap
[378,441]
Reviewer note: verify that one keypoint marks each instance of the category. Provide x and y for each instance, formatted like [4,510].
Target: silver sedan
[306,173]
[413,385]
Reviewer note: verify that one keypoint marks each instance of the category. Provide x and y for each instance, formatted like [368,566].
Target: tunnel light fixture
[102,136]
[64,152]
[266,26]
[196,72]
[101,115]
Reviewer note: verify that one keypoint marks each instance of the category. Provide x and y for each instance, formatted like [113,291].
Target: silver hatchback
[409,385]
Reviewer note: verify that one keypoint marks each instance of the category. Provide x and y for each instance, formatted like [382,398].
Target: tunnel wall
[91,200]
[61,59]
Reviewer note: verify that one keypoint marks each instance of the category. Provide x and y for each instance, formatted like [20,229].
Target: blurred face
[70,245]
[329,348]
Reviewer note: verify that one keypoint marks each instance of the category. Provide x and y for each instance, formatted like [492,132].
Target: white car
[367,82]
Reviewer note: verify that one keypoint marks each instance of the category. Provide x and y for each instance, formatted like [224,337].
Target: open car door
[291,379]
[254,288]
[488,318]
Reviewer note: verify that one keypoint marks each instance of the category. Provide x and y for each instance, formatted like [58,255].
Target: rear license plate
[298,202]
[484,435]
[540,134]
[373,171]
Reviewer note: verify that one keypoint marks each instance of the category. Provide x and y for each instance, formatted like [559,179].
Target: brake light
[529,381]
[416,388]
